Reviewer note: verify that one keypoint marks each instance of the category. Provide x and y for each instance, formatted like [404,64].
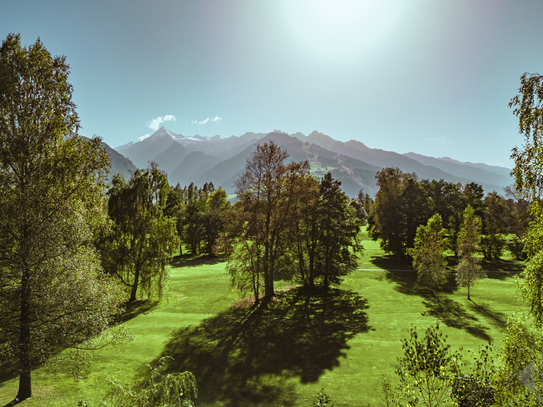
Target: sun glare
[341,28]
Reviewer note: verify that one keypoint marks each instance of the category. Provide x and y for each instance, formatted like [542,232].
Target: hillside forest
[79,247]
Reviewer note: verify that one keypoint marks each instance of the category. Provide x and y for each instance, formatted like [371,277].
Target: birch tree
[469,268]
[53,293]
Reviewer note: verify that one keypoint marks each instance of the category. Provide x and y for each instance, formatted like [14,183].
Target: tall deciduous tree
[256,236]
[428,257]
[469,268]
[53,293]
[528,172]
[143,239]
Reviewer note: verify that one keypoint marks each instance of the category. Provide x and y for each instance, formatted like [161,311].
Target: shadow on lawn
[454,315]
[135,308]
[244,357]
[449,311]
[190,260]
[390,262]
[502,265]
[498,319]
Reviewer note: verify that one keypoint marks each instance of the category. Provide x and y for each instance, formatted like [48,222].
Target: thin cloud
[207,120]
[144,137]
[155,123]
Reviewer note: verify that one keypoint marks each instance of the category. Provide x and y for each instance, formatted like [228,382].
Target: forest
[83,258]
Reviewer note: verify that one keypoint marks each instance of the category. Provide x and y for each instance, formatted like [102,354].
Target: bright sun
[341,28]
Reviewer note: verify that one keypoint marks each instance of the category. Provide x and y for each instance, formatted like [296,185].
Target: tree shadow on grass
[407,283]
[190,260]
[454,315]
[501,275]
[244,357]
[439,305]
[135,308]
[502,265]
[498,319]
[391,262]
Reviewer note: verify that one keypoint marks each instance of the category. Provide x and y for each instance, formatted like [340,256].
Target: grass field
[342,341]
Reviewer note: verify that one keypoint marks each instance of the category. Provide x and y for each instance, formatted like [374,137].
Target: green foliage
[528,107]
[53,293]
[323,400]
[142,239]
[521,347]
[469,268]
[326,234]
[516,247]
[531,285]
[427,369]
[428,253]
[256,238]
[478,387]
[492,246]
[161,390]
[386,216]
[403,204]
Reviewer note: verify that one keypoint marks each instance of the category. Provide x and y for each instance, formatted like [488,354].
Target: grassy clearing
[343,341]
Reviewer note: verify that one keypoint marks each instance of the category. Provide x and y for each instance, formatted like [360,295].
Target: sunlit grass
[343,342]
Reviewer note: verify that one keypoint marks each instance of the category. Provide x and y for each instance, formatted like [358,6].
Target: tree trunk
[25,388]
[135,286]
[468,292]
[269,291]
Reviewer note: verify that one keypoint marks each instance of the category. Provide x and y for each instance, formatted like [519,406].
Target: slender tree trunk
[468,292]
[135,285]
[25,386]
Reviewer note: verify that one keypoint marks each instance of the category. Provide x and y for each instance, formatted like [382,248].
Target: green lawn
[342,341]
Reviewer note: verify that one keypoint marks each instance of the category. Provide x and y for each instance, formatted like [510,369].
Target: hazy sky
[429,76]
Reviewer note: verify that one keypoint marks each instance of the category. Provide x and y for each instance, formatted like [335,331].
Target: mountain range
[221,160]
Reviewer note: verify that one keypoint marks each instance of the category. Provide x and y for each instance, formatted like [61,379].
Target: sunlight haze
[430,77]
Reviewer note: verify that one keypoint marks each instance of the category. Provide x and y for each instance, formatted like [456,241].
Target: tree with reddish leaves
[257,231]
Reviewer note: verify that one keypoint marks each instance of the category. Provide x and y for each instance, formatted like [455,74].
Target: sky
[431,77]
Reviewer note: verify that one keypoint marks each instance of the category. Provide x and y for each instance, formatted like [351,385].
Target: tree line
[403,203]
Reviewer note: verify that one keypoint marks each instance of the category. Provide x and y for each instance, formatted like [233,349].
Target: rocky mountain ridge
[222,159]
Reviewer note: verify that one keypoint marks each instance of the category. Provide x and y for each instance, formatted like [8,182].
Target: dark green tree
[496,220]
[386,217]
[215,207]
[338,228]
[175,207]
[53,293]
[143,239]
[415,208]
[193,225]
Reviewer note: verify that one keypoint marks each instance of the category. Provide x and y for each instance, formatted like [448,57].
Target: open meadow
[343,341]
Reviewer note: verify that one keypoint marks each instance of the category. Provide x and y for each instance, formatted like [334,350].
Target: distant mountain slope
[169,159]
[119,163]
[190,168]
[482,172]
[383,158]
[221,160]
